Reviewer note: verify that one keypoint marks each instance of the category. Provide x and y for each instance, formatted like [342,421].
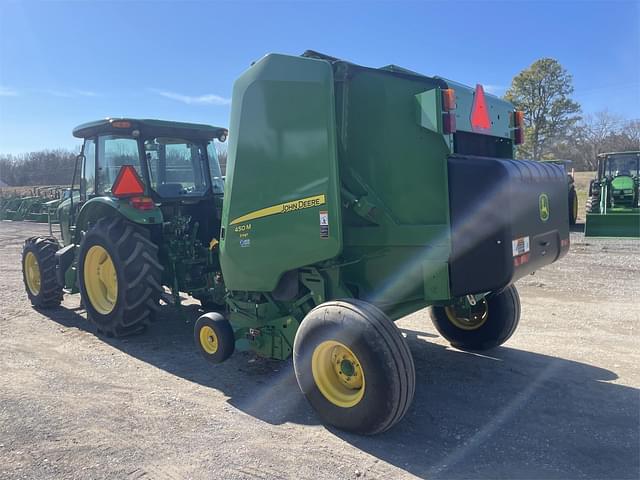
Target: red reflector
[479,114]
[142,203]
[518,136]
[521,260]
[127,183]
[448,123]
[448,99]
[121,124]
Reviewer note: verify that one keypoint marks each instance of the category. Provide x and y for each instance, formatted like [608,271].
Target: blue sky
[64,63]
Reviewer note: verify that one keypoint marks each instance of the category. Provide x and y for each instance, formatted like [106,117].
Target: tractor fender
[101,207]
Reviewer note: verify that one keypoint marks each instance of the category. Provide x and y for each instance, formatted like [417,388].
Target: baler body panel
[282,176]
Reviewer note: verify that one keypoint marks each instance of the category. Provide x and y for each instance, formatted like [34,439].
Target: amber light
[142,203]
[121,124]
[448,123]
[127,183]
[448,99]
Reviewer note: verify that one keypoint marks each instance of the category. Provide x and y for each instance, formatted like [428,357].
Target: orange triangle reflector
[479,114]
[127,182]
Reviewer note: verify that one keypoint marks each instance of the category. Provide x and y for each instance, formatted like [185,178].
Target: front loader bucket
[616,224]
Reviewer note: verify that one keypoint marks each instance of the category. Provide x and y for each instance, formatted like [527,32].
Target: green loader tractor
[354,196]
[612,208]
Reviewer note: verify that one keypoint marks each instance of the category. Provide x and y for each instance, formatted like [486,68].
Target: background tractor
[612,208]
[354,196]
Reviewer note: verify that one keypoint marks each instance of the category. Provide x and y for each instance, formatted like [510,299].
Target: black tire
[137,270]
[503,316]
[573,206]
[43,249]
[381,354]
[218,342]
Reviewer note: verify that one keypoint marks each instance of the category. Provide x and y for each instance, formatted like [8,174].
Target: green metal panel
[394,158]
[281,174]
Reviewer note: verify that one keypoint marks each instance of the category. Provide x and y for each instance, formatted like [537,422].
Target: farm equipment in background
[384,188]
[39,206]
[612,208]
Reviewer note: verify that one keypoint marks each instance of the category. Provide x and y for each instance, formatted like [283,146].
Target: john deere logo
[543,205]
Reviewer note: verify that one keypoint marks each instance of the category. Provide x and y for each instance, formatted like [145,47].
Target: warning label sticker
[324,224]
[520,246]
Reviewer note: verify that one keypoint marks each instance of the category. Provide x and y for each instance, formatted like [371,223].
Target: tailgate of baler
[508,218]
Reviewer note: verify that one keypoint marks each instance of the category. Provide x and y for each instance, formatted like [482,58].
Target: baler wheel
[119,276]
[354,366]
[214,337]
[39,272]
[495,320]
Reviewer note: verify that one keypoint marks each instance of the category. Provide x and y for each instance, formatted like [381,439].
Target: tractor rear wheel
[119,276]
[573,206]
[354,366]
[488,324]
[39,272]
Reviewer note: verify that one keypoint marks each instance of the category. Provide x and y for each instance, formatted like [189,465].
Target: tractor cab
[146,165]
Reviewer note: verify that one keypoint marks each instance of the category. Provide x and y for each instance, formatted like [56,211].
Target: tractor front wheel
[119,276]
[354,366]
[39,272]
[214,337]
[487,324]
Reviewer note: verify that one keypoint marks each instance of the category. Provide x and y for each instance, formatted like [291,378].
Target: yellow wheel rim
[470,320]
[338,374]
[32,273]
[100,280]
[575,206]
[208,340]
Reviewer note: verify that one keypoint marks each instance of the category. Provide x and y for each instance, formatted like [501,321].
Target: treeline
[46,167]
[50,167]
[594,134]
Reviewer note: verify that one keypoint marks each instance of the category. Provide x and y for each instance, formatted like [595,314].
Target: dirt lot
[559,400]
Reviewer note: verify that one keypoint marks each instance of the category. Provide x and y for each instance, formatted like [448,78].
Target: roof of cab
[148,127]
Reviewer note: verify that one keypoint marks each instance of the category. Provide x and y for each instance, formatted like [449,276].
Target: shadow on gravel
[578,227]
[506,414]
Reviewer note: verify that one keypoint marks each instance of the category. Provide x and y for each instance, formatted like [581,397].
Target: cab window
[88,178]
[176,167]
[113,152]
[217,181]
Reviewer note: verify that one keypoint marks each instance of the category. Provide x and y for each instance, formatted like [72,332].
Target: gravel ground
[559,400]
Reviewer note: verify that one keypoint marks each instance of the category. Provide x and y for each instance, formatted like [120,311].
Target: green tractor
[354,196]
[612,208]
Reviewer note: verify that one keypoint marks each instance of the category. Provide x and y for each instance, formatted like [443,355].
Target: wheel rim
[32,273]
[575,207]
[469,319]
[100,280]
[338,374]
[208,340]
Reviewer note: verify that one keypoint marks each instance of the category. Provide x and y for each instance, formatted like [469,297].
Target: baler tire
[573,206]
[503,316]
[133,257]
[214,338]
[39,276]
[363,336]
